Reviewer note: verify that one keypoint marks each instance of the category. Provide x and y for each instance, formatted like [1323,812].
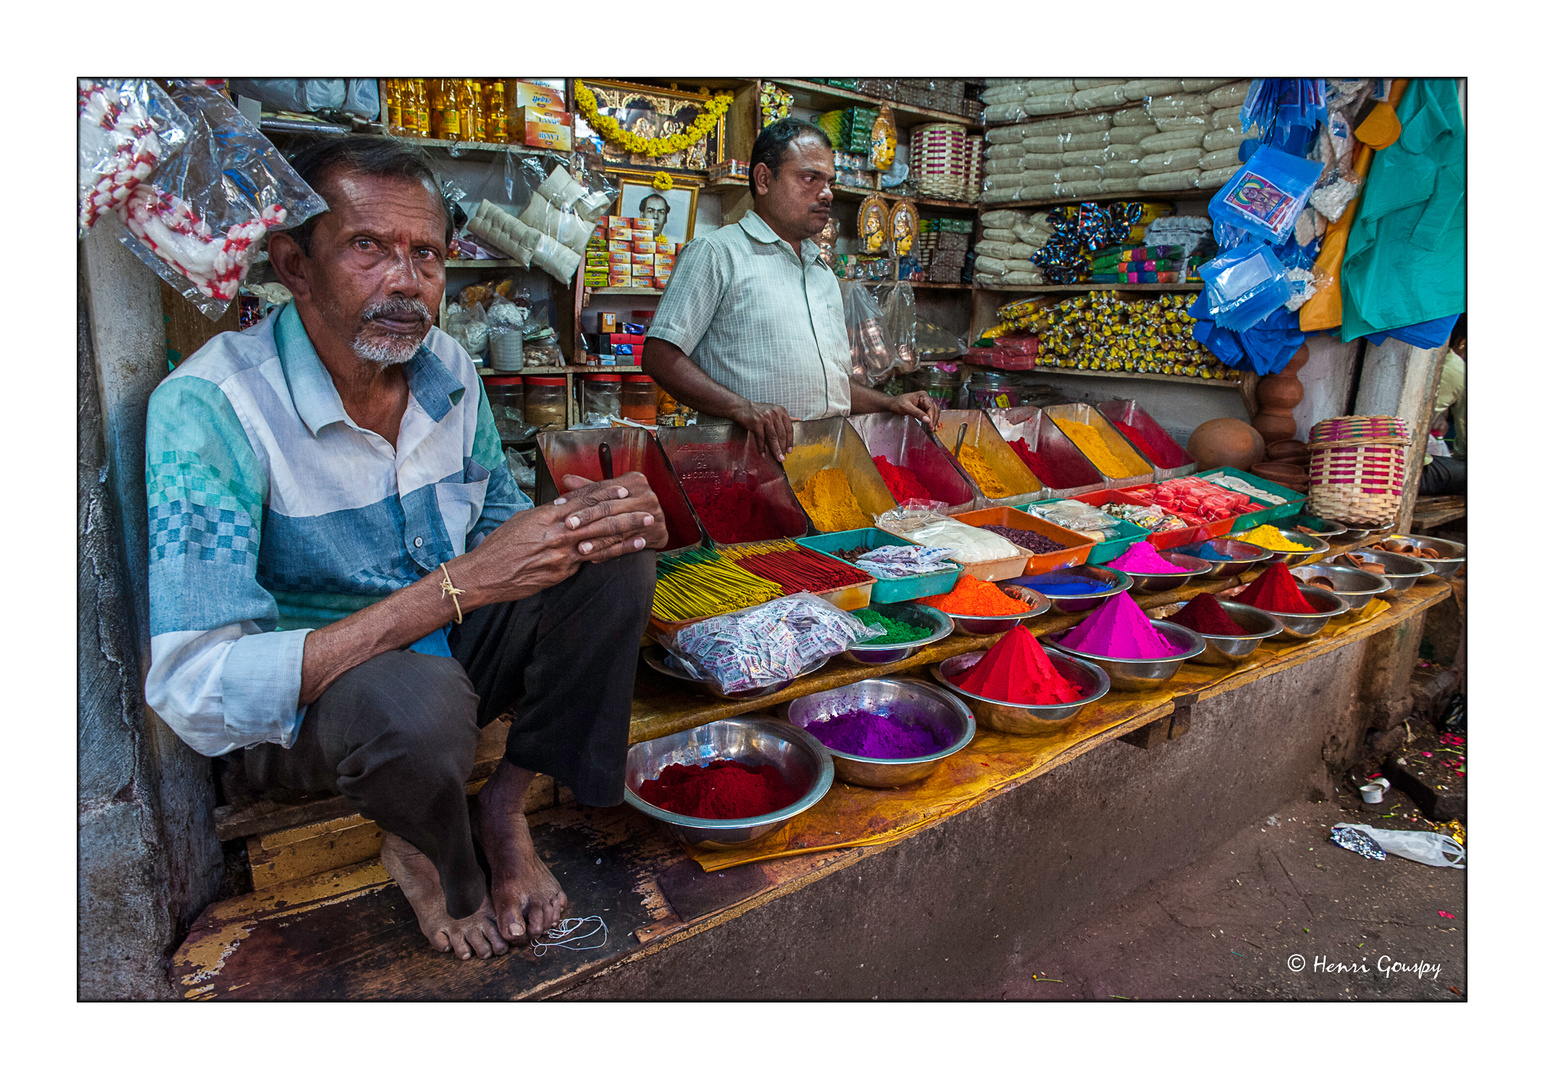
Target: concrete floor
[1229,926]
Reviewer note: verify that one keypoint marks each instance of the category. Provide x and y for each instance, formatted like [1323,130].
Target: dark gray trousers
[396,735]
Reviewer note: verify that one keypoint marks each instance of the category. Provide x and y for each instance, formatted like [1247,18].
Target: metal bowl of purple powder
[883,733]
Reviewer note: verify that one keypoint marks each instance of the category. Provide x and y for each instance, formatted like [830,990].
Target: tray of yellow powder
[998,477]
[1101,443]
[834,477]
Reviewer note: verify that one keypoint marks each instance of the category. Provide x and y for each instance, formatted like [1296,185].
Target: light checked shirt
[760,319]
[272,513]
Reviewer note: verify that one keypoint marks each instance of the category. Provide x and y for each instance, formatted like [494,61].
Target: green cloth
[1405,260]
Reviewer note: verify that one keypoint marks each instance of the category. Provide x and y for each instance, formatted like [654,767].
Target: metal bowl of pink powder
[883,733]
[1129,673]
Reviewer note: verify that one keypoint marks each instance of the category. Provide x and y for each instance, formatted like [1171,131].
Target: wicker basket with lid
[1357,468]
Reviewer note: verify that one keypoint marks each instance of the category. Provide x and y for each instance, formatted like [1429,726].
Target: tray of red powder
[1011,714]
[728,782]
[1169,458]
[1231,630]
[1067,548]
[1194,532]
[739,494]
[578,453]
[906,444]
[1303,610]
[884,733]
[1047,452]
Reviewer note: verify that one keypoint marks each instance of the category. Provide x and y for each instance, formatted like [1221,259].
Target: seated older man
[345,581]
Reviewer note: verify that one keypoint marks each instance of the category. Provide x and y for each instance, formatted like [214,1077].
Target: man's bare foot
[527,898]
[420,883]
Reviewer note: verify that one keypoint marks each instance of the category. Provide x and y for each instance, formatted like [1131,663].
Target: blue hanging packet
[1244,285]
[1265,197]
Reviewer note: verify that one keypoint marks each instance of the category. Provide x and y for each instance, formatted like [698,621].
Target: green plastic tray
[886,590]
[1294,503]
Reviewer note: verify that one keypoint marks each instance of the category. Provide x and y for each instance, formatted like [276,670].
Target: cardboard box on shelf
[622,233]
[542,127]
[539,96]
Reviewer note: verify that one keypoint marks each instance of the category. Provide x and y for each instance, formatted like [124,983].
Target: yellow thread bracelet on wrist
[447,589]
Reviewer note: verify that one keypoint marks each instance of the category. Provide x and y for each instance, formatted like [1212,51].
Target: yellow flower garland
[610,130]
[663,181]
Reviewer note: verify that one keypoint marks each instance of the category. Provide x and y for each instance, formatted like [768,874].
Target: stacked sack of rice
[1119,136]
[1009,239]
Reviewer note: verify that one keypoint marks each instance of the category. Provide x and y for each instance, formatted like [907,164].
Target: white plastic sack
[1431,848]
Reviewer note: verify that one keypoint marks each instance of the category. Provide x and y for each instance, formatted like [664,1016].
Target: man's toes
[490,933]
[479,943]
[514,927]
[459,944]
[440,940]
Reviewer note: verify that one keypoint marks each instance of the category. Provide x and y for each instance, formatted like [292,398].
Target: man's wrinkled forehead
[353,197]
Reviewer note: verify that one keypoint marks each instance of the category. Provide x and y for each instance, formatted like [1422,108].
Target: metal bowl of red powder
[887,715]
[1303,627]
[801,761]
[1137,674]
[1356,587]
[1226,650]
[1013,718]
[998,624]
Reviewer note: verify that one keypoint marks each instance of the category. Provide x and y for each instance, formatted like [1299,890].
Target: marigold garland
[611,131]
[663,181]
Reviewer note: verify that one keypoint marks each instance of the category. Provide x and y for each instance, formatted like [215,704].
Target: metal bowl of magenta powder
[801,760]
[929,623]
[883,733]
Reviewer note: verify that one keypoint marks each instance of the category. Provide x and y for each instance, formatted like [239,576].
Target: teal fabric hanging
[1405,260]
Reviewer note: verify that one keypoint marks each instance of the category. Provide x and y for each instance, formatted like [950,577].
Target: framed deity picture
[653,112]
[672,212]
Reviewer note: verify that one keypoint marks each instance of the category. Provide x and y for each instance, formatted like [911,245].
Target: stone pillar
[1401,380]
[147,856]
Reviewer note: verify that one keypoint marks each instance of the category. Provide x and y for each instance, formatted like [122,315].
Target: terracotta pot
[1281,472]
[1292,451]
[1226,442]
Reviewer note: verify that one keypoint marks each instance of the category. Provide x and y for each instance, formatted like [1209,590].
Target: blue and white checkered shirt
[272,513]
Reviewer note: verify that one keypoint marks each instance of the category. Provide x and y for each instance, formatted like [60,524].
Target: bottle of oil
[445,109]
[475,125]
[498,118]
[420,109]
[393,95]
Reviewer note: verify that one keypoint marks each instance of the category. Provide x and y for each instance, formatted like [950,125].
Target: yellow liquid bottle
[451,114]
[420,109]
[477,125]
[498,119]
[393,95]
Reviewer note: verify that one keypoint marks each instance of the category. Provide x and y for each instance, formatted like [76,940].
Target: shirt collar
[758,229]
[316,398]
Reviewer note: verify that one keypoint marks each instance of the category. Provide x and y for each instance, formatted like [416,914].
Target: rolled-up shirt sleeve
[692,296]
[221,674]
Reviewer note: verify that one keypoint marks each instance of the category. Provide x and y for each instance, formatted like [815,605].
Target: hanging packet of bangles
[1265,197]
[200,218]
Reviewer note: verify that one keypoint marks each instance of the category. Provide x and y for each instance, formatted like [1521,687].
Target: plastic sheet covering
[200,220]
[873,353]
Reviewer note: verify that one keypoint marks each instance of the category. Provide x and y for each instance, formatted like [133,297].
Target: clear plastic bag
[873,356]
[200,220]
[468,326]
[1267,195]
[899,308]
[1244,285]
[295,95]
[561,200]
[930,528]
[1431,848]
[126,129]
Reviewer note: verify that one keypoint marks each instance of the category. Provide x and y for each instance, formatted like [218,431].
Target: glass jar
[991,390]
[507,401]
[638,400]
[546,407]
[603,396]
[943,386]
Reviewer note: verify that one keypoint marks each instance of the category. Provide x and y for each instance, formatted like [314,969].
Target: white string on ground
[563,936]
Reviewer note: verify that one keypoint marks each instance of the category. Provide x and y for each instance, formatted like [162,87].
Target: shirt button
[418,541]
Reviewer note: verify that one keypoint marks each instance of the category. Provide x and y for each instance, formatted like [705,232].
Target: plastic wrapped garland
[767,644]
[126,128]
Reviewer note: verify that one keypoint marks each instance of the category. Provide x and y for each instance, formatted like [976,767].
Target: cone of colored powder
[1206,616]
[973,597]
[1143,558]
[903,482]
[1119,629]
[1018,670]
[1277,590]
[1271,538]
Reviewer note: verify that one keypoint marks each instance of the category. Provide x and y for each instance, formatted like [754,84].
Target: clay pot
[1292,451]
[1221,442]
[1281,471]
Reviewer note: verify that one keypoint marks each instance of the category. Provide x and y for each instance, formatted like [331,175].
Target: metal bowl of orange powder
[991,624]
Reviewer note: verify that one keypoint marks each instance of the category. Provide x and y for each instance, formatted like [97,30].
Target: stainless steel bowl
[906,701]
[1316,546]
[1451,553]
[1314,526]
[1128,674]
[1356,534]
[997,624]
[943,626]
[1225,650]
[1304,627]
[1401,571]
[1014,719]
[656,657]
[750,740]
[1157,583]
[1114,580]
[1356,587]
[1241,555]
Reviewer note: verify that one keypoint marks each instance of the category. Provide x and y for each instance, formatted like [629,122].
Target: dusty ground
[1279,896]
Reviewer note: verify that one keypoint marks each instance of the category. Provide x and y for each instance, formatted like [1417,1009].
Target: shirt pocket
[461,503]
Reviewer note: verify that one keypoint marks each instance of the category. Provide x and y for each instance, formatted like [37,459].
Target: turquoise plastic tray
[886,590]
[1294,504]
[1103,552]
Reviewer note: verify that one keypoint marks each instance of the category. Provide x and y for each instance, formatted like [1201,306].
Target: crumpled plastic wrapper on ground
[1360,842]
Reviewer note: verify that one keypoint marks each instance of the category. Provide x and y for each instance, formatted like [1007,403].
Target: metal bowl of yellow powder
[1283,545]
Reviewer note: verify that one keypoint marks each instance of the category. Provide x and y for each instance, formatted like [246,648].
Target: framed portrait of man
[671,212]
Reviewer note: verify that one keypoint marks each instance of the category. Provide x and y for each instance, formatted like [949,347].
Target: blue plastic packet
[1244,285]
[1265,197]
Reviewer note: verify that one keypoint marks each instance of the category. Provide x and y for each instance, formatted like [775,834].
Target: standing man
[750,326]
[346,583]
